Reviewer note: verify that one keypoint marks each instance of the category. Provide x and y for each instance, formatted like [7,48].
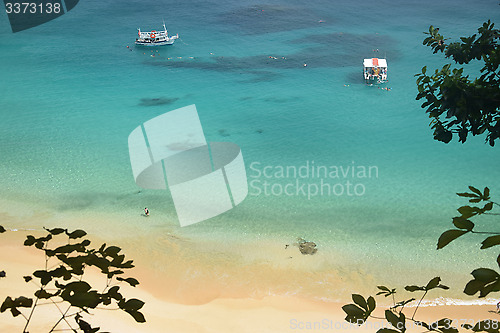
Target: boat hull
[154,43]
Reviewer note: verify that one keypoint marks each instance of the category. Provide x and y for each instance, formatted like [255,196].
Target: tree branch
[415,312]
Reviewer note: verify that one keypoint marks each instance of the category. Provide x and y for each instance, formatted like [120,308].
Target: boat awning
[374,62]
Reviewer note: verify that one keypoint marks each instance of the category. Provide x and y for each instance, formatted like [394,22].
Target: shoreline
[207,302]
[256,267]
[269,314]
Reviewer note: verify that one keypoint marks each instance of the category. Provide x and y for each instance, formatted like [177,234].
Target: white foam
[441,301]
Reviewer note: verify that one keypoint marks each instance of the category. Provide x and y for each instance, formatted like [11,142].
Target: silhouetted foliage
[61,281]
[457,104]
[484,282]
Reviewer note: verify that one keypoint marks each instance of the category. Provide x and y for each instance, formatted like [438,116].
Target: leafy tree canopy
[455,103]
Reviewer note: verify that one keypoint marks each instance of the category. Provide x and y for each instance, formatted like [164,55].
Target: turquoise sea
[72,91]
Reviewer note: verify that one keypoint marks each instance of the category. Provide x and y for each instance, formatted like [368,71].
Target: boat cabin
[375,70]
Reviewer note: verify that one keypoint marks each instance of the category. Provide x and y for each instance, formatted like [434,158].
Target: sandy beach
[268,314]
[174,307]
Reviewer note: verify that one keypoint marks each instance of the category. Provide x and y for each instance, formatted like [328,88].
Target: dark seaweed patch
[331,51]
[223,132]
[157,101]
[263,19]
[280,99]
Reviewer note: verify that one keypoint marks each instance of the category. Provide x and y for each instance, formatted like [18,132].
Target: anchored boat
[375,70]
[155,38]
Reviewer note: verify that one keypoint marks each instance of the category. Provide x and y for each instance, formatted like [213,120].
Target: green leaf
[78,294]
[43,294]
[7,304]
[475,190]
[384,288]
[23,302]
[69,248]
[79,286]
[485,274]
[467,211]
[127,264]
[473,286]
[2,229]
[393,319]
[117,260]
[113,293]
[55,231]
[414,288]
[448,236]
[131,304]
[433,283]
[133,282]
[30,240]
[112,251]
[462,223]
[84,326]
[490,241]
[486,194]
[488,206]
[15,312]
[76,234]
[360,300]
[44,276]
[468,195]
[371,304]
[354,313]
[139,317]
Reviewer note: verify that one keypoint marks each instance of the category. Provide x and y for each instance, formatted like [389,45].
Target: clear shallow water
[72,92]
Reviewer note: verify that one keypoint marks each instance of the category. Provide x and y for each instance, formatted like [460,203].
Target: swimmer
[146,211]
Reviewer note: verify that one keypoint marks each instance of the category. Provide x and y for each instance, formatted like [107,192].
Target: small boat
[155,38]
[375,70]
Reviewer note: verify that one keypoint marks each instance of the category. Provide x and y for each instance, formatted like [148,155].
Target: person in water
[146,211]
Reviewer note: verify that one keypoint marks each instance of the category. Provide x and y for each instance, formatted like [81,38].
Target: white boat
[155,38]
[375,70]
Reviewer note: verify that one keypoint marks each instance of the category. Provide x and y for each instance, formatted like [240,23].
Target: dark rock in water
[306,247]
[157,101]
[223,132]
